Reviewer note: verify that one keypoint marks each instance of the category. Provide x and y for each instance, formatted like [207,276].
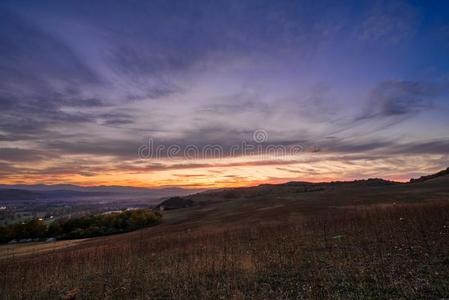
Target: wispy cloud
[398,98]
[81,90]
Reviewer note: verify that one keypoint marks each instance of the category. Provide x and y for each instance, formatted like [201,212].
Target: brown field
[259,243]
[15,250]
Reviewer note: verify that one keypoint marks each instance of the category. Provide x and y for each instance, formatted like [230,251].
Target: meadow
[293,248]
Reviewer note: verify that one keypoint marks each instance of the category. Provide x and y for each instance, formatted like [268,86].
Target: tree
[35,228]
[54,229]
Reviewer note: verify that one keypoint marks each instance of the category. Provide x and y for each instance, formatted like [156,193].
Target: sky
[199,93]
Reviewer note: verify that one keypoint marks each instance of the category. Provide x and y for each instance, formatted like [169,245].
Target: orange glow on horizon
[223,173]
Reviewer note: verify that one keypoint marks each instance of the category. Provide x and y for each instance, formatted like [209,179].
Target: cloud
[430,147]
[39,74]
[157,167]
[21,155]
[396,98]
[389,22]
[123,149]
[31,59]
[389,103]
[75,82]
[290,170]
[375,149]
[353,146]
[115,119]
[7,168]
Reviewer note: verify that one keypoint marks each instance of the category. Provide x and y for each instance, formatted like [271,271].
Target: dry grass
[16,250]
[389,252]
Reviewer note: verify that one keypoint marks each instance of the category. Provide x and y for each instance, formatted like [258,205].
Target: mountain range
[43,191]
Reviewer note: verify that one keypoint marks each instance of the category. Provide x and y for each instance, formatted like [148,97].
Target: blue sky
[362,86]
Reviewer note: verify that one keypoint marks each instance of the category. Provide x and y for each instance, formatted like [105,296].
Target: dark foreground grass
[393,252]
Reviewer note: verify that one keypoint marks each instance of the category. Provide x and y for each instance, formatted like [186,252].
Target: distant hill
[97,188]
[24,195]
[371,187]
[442,173]
[68,190]
[359,182]
[15,194]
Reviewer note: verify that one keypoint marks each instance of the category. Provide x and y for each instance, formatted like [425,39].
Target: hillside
[361,192]
[347,240]
[443,175]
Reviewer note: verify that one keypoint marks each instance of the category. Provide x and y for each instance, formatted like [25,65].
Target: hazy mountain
[15,194]
[69,189]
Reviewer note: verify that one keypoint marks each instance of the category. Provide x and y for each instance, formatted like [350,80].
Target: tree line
[87,226]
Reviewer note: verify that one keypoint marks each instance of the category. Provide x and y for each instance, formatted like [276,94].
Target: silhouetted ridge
[432,176]
[16,194]
[374,182]
[361,182]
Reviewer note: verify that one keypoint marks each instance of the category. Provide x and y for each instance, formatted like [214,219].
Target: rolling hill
[442,175]
[347,240]
[340,192]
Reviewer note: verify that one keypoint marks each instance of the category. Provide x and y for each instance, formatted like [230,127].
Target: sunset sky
[360,88]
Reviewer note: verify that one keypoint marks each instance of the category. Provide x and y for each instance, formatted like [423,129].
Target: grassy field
[16,250]
[348,242]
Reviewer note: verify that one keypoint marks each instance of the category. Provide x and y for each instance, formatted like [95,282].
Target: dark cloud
[80,102]
[390,103]
[295,171]
[156,167]
[395,98]
[35,117]
[30,58]
[68,169]
[431,147]
[115,119]
[124,149]
[342,146]
[39,76]
[386,148]
[21,155]
[401,97]
[12,172]
[190,175]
